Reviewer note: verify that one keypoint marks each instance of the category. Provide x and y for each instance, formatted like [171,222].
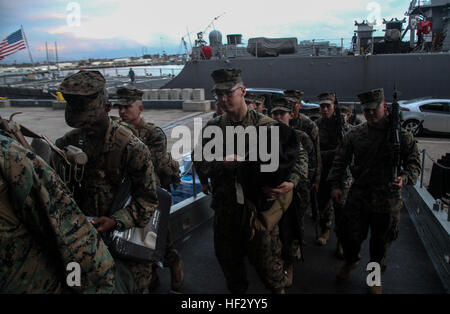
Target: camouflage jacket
[155,139]
[305,124]
[329,141]
[308,146]
[100,184]
[166,169]
[42,230]
[369,149]
[223,180]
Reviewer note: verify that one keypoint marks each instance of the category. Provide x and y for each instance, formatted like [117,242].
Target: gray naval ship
[419,67]
[419,261]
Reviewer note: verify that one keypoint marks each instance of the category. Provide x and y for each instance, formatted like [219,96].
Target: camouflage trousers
[171,256]
[374,210]
[232,244]
[133,277]
[327,207]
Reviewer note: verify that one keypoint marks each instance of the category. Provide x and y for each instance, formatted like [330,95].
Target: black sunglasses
[218,93]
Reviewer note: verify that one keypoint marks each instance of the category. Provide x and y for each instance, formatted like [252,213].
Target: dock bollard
[437,206]
[423,166]
[193,181]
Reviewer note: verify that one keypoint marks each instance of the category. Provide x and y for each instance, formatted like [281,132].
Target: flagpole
[26,41]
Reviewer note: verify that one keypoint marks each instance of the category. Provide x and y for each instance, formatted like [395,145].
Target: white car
[425,115]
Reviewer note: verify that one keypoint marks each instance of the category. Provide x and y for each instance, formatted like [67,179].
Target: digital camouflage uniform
[305,124]
[329,142]
[42,230]
[166,169]
[100,183]
[232,221]
[370,202]
[303,188]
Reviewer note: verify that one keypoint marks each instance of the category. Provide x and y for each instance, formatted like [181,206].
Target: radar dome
[215,38]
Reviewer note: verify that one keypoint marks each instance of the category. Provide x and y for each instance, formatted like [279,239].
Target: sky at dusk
[113,29]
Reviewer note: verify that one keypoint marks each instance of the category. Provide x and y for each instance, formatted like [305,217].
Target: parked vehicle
[425,115]
[309,109]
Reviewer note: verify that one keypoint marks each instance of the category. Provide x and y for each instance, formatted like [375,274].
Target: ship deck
[410,270]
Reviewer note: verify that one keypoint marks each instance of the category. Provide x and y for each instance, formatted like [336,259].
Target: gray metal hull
[416,75]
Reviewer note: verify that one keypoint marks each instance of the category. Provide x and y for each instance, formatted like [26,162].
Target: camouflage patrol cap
[293,95]
[83,83]
[128,95]
[250,97]
[327,98]
[282,104]
[371,99]
[346,108]
[85,95]
[226,78]
[259,100]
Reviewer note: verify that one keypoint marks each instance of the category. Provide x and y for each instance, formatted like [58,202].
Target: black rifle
[395,137]
[315,211]
[340,119]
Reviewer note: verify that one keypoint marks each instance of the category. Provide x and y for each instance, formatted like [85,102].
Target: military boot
[339,251]
[289,273]
[383,265]
[375,290]
[154,282]
[323,239]
[278,291]
[345,270]
[176,273]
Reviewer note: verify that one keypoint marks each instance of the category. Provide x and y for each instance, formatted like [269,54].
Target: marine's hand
[205,188]
[315,187]
[283,188]
[397,185]
[230,161]
[336,194]
[104,223]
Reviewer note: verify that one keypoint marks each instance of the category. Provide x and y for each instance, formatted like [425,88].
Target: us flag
[12,44]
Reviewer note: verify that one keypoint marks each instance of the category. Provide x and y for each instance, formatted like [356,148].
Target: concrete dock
[51,123]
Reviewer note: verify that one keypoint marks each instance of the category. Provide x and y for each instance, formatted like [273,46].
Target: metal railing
[438,205]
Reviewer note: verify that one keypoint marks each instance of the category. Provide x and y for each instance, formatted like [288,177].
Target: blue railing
[190,183]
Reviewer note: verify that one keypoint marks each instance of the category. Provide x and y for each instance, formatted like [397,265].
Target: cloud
[158,25]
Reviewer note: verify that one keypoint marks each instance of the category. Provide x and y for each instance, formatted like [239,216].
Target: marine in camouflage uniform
[260,102]
[350,115]
[250,100]
[304,123]
[235,235]
[373,201]
[100,138]
[42,230]
[329,142]
[167,170]
[282,111]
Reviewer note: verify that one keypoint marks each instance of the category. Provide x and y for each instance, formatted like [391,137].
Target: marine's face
[250,104]
[231,100]
[281,116]
[327,110]
[130,113]
[376,116]
[260,108]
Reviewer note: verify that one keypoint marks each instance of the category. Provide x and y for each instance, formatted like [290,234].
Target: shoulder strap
[121,139]
[6,210]
[263,119]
